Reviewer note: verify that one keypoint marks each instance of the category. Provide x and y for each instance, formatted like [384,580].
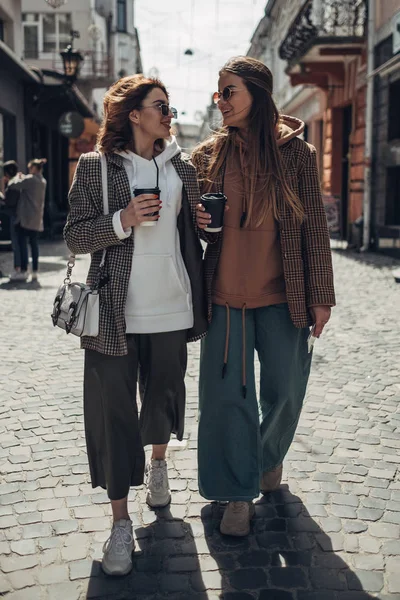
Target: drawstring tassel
[244,382]
[224,370]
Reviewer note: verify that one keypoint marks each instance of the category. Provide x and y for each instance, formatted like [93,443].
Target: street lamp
[72,60]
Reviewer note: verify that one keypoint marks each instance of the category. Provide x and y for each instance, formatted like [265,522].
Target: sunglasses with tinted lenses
[226,94]
[166,110]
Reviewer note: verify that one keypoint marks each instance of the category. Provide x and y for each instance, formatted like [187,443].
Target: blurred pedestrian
[10,206]
[269,277]
[29,219]
[151,297]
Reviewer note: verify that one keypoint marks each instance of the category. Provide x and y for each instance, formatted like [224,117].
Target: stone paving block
[327,579]
[31,593]
[9,564]
[370,581]
[174,582]
[22,579]
[82,569]
[23,547]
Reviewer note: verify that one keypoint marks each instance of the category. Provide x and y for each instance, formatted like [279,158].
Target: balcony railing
[97,65]
[324,21]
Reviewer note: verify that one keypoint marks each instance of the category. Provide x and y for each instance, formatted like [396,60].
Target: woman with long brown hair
[151,297]
[269,278]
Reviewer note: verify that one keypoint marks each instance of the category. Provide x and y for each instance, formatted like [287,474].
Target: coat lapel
[119,182]
[188,176]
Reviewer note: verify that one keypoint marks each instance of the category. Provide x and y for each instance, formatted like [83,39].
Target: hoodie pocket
[155,287]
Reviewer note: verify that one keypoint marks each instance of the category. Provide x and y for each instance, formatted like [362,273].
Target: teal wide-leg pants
[239,438]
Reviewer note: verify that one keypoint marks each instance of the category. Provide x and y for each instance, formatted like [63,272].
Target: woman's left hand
[320,315]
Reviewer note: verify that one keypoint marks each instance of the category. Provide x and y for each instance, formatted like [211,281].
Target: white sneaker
[236,518]
[19,276]
[34,276]
[158,492]
[117,557]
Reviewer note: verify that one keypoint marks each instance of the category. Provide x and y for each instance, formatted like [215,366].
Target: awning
[10,61]
[56,97]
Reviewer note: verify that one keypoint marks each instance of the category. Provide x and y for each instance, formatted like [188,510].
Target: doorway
[344,205]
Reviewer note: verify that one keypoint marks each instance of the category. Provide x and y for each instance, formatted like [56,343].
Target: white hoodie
[159,294]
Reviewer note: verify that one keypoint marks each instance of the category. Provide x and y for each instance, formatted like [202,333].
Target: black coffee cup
[156,192]
[215,206]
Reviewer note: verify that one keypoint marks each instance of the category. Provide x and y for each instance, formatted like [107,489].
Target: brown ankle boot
[271,480]
[236,518]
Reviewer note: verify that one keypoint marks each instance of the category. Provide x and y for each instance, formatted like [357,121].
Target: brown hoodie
[250,269]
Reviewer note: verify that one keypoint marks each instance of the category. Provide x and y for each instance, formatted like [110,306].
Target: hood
[288,128]
[171,149]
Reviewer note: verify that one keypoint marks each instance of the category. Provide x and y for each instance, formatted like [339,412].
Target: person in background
[269,277]
[9,203]
[29,218]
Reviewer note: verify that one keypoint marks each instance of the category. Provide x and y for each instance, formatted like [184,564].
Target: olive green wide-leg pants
[240,438]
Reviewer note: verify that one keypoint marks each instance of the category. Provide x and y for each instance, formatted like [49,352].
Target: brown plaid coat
[306,252]
[89,231]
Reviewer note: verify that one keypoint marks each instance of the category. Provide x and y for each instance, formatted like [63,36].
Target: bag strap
[104,186]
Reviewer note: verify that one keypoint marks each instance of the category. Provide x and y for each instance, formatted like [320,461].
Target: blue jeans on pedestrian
[23,236]
[15,243]
[240,439]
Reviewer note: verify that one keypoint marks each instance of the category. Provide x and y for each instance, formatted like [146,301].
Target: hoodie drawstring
[164,169]
[244,386]
[228,330]
[226,352]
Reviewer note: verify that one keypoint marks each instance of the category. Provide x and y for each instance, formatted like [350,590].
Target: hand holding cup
[210,213]
[142,209]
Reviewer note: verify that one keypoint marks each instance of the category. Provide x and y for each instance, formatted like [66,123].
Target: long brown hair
[264,161]
[124,96]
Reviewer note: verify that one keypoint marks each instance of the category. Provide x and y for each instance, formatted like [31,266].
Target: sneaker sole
[162,503]
[120,574]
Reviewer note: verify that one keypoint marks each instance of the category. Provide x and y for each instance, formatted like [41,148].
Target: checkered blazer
[89,231]
[306,252]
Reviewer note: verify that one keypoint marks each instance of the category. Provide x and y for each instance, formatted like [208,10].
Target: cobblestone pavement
[332,531]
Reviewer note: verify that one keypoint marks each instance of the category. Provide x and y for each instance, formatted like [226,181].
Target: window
[392,215]
[394,115]
[121,15]
[45,33]
[31,35]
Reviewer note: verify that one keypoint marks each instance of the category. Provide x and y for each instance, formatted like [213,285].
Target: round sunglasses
[165,109]
[226,94]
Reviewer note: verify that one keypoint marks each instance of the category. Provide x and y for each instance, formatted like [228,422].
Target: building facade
[385,226]
[317,53]
[108,39]
[31,104]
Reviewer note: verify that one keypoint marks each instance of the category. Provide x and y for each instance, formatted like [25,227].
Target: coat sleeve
[87,230]
[317,255]
[199,164]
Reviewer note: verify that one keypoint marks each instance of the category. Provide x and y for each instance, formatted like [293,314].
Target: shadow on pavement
[371,259]
[20,285]
[287,556]
[165,565]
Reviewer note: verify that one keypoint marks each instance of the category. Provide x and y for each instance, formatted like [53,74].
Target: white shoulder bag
[76,305]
